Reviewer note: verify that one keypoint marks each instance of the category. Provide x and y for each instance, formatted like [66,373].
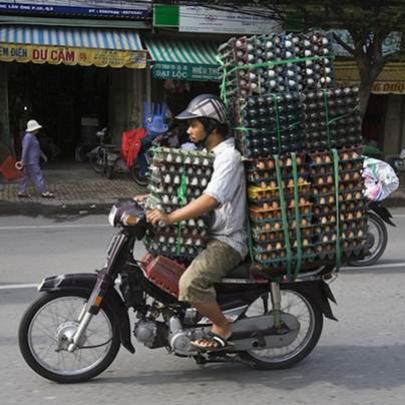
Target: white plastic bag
[379,178]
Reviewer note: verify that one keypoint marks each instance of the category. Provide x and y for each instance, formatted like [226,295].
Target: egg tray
[182,258]
[185,155]
[352,192]
[272,220]
[185,232]
[278,236]
[274,196]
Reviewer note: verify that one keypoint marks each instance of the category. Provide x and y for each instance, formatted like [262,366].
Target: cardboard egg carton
[177,178]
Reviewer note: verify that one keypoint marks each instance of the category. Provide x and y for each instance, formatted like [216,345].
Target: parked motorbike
[73,331]
[106,159]
[377,235]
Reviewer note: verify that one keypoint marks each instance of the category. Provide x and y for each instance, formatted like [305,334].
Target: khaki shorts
[196,285]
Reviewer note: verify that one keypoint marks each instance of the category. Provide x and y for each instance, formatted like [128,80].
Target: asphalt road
[359,360]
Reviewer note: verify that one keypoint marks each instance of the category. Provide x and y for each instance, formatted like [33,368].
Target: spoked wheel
[44,338]
[309,320]
[377,238]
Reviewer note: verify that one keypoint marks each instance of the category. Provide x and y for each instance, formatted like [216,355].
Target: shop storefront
[72,80]
[181,69]
[384,122]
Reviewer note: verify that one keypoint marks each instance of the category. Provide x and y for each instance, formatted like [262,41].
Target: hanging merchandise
[177,178]
[301,139]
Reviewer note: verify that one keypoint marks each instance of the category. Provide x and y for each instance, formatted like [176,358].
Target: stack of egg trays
[256,76]
[352,215]
[334,111]
[269,244]
[268,125]
[169,168]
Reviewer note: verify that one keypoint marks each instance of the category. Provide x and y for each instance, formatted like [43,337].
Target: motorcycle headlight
[112,215]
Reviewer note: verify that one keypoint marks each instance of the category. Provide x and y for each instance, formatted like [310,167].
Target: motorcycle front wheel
[377,238]
[43,338]
[310,320]
[96,162]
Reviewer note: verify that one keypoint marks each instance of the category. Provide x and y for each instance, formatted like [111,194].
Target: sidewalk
[77,189]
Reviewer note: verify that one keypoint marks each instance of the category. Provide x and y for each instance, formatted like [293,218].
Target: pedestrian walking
[29,163]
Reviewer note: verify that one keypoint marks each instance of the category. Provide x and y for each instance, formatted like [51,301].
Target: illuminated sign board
[88,8]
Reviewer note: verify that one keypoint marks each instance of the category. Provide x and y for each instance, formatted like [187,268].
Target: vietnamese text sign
[92,8]
[204,19]
[184,71]
[72,56]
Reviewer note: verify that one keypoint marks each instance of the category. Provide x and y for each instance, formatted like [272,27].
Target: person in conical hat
[29,163]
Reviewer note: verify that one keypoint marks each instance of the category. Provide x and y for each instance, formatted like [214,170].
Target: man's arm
[26,144]
[196,208]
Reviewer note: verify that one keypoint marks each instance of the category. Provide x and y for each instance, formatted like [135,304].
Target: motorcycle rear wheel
[45,350]
[377,237]
[310,319]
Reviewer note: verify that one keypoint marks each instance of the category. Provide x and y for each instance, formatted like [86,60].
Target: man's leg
[38,179]
[197,283]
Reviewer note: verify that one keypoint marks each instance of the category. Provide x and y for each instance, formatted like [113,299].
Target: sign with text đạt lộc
[72,56]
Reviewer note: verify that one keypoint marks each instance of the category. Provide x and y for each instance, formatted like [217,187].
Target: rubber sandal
[23,195]
[220,342]
[47,195]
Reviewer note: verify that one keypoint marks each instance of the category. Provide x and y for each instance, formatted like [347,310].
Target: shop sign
[92,8]
[72,56]
[165,15]
[204,19]
[184,71]
[383,87]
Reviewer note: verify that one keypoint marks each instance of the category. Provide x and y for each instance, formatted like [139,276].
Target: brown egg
[324,220]
[318,160]
[358,195]
[305,242]
[289,162]
[345,156]
[301,180]
[269,246]
[261,166]
[331,200]
[299,161]
[304,222]
[273,184]
[328,159]
[349,216]
[270,164]
[359,214]
[325,239]
[355,155]
[275,205]
[329,179]
[279,246]
[320,181]
[277,226]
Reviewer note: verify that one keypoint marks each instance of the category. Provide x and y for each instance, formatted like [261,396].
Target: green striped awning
[183,60]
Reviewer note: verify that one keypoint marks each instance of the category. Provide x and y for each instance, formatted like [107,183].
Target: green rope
[297,215]
[283,214]
[336,175]
[325,103]
[181,195]
[223,81]
[274,97]
[250,239]
[356,108]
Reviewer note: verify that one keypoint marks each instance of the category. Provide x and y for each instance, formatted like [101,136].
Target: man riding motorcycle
[225,196]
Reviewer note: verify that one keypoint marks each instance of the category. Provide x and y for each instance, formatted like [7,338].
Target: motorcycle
[380,181]
[74,330]
[377,235]
[106,159]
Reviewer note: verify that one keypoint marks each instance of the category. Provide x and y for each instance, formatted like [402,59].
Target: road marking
[17,286]
[34,227]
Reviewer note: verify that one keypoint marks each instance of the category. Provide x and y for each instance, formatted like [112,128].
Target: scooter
[72,332]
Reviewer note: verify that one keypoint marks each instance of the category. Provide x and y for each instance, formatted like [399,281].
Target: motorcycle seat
[242,270]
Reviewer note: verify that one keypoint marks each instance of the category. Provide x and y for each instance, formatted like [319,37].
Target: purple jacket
[31,151]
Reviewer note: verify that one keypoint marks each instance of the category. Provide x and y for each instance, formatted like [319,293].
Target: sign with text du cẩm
[72,56]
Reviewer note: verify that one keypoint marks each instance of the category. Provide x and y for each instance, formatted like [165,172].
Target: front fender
[85,282]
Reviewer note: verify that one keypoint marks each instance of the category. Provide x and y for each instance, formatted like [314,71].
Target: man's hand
[155,216]
[44,158]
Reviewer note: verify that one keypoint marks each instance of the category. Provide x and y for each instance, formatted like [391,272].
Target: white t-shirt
[228,187]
